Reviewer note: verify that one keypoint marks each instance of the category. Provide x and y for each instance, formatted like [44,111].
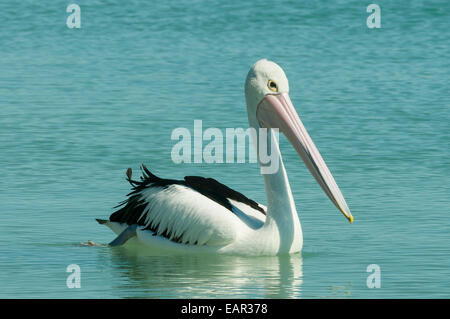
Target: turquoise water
[79,106]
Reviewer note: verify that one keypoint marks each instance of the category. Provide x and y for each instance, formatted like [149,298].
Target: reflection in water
[197,276]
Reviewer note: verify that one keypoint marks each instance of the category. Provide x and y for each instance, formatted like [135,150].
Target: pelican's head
[269,106]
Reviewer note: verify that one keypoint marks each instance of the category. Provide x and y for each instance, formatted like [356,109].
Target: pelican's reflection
[214,276]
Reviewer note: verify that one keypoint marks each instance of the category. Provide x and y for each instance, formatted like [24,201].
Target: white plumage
[186,214]
[182,216]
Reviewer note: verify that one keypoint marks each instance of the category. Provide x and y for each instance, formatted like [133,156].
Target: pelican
[201,215]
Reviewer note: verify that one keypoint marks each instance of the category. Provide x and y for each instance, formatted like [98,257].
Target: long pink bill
[277,111]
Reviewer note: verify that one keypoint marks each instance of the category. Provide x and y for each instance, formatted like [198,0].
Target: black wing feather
[133,207]
[219,192]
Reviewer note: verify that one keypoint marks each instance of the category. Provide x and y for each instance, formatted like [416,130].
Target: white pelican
[202,215]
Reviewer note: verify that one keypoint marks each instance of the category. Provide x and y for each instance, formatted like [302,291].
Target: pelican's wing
[249,211]
[196,210]
[221,193]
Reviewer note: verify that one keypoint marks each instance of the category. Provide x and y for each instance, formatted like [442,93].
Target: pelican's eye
[272,86]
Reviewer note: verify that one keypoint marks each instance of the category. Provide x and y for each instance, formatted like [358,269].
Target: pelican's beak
[277,111]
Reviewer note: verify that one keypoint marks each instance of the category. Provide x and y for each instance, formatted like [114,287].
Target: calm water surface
[77,107]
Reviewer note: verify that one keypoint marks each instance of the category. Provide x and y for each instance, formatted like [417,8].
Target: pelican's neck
[280,202]
[282,215]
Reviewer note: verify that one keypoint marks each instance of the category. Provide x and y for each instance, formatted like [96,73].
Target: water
[77,107]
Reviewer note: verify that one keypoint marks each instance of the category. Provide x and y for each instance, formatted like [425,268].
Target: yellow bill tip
[348,215]
[350,219]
